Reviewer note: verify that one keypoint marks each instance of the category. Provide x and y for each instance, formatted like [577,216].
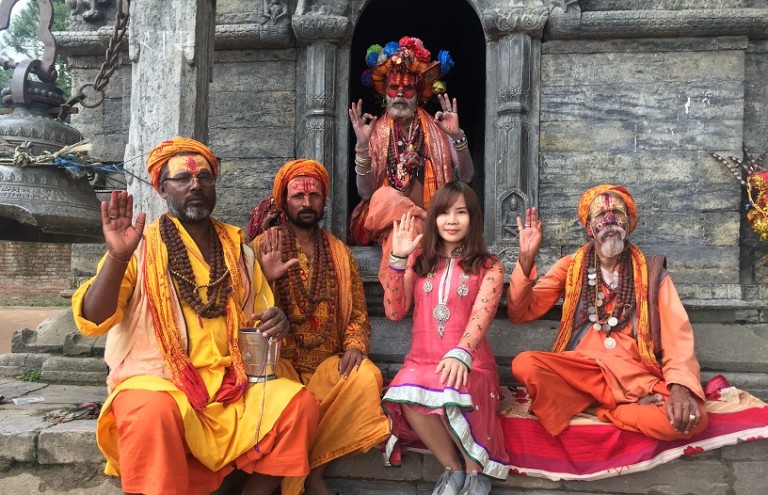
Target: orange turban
[619,191]
[161,153]
[298,168]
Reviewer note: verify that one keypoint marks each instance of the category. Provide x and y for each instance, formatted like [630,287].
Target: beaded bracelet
[461,144]
[397,263]
[461,355]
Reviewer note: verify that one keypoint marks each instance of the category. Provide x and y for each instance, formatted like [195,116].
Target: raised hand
[271,255]
[531,233]
[121,236]
[404,238]
[448,118]
[362,123]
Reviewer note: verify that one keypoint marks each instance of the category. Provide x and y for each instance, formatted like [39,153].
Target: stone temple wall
[585,92]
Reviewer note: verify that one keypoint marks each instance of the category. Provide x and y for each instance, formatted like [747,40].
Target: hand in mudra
[271,255]
[448,118]
[120,234]
[404,237]
[362,123]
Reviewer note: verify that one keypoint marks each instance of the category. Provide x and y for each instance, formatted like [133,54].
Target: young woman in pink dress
[447,392]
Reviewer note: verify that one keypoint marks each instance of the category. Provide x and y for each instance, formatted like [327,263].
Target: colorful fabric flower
[391,48]
[372,55]
[446,62]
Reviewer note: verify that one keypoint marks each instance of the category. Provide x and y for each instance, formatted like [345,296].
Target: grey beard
[611,247]
[190,214]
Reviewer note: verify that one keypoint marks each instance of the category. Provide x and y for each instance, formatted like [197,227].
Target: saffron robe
[219,434]
[618,376]
[351,418]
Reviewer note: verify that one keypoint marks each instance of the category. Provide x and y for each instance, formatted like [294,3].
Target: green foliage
[31,375]
[19,41]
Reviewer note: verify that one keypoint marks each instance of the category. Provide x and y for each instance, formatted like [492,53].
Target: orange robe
[148,431]
[351,418]
[562,385]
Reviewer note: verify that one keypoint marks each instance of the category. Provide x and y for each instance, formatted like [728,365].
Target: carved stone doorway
[451,25]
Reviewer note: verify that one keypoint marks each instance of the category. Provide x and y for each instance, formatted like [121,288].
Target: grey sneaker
[449,483]
[476,485]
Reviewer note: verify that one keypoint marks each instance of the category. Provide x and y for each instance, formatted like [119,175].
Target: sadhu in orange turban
[298,168]
[618,191]
[163,152]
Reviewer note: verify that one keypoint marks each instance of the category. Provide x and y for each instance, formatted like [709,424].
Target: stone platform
[37,456]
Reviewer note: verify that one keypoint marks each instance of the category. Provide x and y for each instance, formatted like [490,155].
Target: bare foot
[651,399]
[316,485]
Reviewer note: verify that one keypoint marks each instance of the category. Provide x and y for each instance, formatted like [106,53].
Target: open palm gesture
[271,255]
[404,237]
[120,234]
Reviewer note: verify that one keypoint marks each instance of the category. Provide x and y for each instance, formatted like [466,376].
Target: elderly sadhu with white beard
[624,350]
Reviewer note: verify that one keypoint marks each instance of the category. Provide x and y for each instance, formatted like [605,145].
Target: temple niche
[555,96]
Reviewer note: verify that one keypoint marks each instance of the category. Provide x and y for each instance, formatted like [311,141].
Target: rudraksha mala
[322,285]
[413,165]
[624,292]
[181,271]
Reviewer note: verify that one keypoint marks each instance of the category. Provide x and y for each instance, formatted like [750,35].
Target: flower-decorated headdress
[756,184]
[407,55]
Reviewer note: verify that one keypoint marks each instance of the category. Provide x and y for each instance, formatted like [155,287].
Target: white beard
[611,246]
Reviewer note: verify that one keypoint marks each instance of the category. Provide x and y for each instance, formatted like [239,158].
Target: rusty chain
[115,46]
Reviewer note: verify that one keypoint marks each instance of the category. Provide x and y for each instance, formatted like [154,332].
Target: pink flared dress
[470,412]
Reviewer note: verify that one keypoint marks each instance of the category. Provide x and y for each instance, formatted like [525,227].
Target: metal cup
[260,354]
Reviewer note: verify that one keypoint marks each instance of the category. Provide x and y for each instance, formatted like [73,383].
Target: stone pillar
[512,111]
[171,49]
[317,131]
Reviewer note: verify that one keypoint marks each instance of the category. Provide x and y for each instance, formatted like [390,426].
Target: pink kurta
[469,411]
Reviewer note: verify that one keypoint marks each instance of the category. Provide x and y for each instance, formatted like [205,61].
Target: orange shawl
[159,287]
[573,284]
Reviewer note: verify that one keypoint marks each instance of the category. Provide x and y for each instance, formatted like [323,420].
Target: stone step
[37,456]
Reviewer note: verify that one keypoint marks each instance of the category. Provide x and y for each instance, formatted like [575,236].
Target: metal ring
[113,218]
[527,225]
[692,417]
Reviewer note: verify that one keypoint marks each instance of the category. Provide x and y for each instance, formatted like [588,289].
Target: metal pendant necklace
[441,313]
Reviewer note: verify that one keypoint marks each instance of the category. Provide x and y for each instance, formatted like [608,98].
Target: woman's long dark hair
[475,254]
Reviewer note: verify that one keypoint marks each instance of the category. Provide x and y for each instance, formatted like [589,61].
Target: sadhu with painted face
[182,412]
[403,156]
[625,346]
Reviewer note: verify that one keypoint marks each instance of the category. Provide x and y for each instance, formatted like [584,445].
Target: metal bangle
[368,171]
[397,263]
[461,355]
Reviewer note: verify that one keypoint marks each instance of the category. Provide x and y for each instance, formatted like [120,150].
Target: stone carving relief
[513,205]
[531,21]
[89,10]
[276,13]
[311,27]
[322,7]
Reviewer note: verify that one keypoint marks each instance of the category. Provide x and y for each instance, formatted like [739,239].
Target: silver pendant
[441,313]
[597,327]
[613,321]
[463,290]
[593,317]
[428,284]
[609,343]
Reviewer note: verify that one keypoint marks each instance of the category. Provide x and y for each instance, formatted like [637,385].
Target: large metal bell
[41,203]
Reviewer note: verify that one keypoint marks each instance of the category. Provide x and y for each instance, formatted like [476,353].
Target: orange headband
[161,153]
[620,191]
[297,168]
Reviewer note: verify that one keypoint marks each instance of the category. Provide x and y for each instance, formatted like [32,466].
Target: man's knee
[146,411]
[524,365]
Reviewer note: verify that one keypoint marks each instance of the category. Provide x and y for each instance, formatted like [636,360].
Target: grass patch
[31,375]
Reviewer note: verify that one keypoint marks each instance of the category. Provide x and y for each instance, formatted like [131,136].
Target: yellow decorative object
[438,87]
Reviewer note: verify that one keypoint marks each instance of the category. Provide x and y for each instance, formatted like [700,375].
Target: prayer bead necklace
[404,161]
[181,271]
[322,286]
[595,301]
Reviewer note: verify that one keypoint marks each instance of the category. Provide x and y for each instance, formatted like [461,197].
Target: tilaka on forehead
[192,164]
[606,202]
[304,184]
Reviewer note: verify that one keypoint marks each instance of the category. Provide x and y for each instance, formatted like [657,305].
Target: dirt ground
[14,318]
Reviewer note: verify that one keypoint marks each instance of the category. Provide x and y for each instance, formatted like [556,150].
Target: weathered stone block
[370,465]
[69,443]
[715,349]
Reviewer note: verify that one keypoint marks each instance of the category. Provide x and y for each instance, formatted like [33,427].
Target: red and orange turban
[161,153]
[618,191]
[298,168]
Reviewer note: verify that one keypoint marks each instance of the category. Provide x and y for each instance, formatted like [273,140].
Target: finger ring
[113,218]
[692,417]
[527,225]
